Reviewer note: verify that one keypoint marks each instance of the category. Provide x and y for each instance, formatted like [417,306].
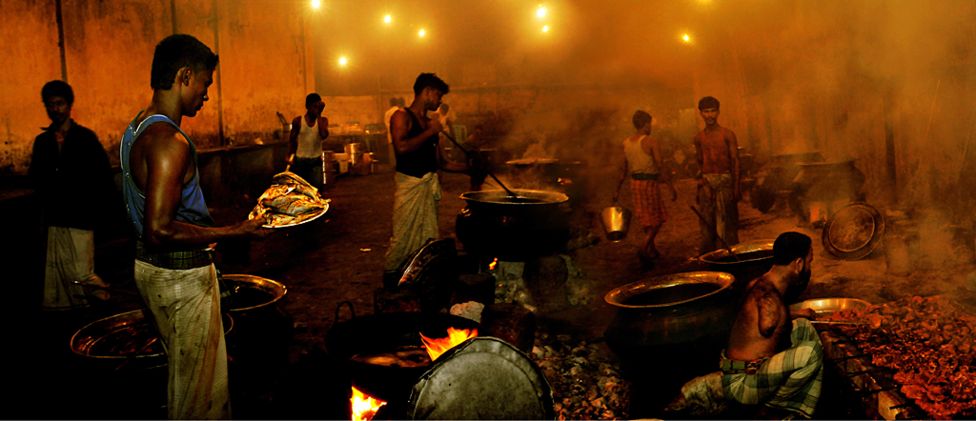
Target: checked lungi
[790,380]
[648,206]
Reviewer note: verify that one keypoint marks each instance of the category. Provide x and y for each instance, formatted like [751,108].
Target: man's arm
[168,159]
[769,311]
[734,154]
[323,127]
[296,126]
[400,125]
[699,158]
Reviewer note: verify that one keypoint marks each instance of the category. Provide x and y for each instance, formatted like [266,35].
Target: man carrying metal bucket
[643,166]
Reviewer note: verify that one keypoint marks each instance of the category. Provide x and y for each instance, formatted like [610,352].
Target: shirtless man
[174,269]
[770,360]
[717,151]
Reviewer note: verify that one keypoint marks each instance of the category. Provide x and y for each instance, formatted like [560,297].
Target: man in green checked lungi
[772,365]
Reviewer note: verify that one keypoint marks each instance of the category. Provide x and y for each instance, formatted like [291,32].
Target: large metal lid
[854,231]
[482,378]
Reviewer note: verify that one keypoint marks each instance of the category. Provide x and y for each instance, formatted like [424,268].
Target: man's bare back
[761,326]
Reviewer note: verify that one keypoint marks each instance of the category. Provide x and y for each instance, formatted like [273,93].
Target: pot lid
[482,378]
[854,231]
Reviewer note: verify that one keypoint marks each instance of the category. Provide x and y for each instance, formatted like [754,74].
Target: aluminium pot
[532,223]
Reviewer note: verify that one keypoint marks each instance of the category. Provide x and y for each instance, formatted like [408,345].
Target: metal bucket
[616,221]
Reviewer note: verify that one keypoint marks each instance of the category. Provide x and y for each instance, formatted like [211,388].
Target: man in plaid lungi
[643,166]
[718,194]
[770,360]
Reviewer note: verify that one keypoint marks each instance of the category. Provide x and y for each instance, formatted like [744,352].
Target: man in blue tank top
[174,270]
[417,188]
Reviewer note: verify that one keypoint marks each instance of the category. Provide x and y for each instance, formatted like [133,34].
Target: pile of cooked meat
[929,347]
[290,200]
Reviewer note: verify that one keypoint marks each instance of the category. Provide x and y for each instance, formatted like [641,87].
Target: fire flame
[493,264]
[436,347]
[364,407]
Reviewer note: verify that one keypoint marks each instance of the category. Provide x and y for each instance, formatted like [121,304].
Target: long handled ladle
[715,233]
[468,153]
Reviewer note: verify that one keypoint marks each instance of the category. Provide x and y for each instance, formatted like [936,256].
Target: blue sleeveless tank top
[192,208]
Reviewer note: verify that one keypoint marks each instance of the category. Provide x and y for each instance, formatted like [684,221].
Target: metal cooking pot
[384,333]
[671,320]
[751,260]
[533,223]
[249,293]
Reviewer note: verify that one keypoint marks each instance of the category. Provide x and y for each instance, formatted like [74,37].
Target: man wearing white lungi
[417,188]
[174,268]
[69,167]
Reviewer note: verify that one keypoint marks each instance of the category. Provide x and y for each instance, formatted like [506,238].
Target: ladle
[467,153]
[715,234]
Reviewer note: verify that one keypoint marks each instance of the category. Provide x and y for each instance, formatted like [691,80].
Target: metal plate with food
[285,221]
[290,201]
[831,305]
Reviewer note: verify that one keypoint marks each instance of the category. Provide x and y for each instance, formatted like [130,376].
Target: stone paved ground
[339,258]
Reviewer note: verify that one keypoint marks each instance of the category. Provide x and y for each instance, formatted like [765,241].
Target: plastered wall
[108,49]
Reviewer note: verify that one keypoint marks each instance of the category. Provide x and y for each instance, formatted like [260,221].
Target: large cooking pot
[365,345]
[751,259]
[671,321]
[532,223]
[263,330]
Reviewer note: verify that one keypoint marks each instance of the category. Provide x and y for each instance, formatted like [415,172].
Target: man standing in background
[418,190]
[718,181]
[305,142]
[642,164]
[72,177]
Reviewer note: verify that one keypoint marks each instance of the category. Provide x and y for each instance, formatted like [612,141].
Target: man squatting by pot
[772,365]
[174,268]
[418,191]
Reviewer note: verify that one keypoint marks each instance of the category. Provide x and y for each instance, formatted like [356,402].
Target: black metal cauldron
[532,223]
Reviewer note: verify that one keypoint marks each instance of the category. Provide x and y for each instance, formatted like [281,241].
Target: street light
[343,61]
[316,4]
[541,12]
[387,19]
[686,38]
[545,29]
[422,33]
